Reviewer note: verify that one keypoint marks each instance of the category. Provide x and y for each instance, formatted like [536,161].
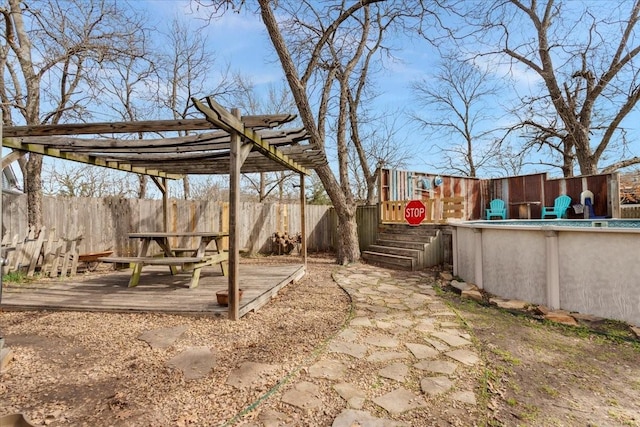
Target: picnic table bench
[188,259]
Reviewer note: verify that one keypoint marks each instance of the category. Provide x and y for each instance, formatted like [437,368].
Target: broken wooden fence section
[42,252]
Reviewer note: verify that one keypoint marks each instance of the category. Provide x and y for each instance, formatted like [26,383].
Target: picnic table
[189,259]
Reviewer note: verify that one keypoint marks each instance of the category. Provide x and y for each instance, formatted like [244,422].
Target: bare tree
[308,45]
[211,188]
[78,180]
[324,49]
[353,69]
[186,69]
[125,91]
[61,43]
[585,55]
[382,147]
[316,194]
[277,100]
[455,106]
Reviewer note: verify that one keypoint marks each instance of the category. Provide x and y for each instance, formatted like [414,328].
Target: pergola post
[234,201]
[238,153]
[303,222]
[161,183]
[165,204]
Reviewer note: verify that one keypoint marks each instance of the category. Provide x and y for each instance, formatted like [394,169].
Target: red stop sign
[415,212]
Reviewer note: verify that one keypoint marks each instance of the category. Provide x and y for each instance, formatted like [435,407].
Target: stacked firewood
[283,242]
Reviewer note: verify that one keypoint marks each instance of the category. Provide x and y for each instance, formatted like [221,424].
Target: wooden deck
[158,291]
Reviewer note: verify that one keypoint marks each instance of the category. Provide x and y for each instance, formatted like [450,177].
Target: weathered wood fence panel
[104,223]
[630,211]
[539,190]
[367,219]
[397,186]
[14,215]
[43,250]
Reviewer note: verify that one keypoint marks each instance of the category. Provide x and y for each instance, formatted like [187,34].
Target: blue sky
[241,41]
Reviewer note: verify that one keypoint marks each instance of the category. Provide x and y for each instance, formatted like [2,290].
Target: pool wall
[590,270]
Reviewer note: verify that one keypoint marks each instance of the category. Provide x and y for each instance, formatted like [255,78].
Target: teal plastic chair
[560,206]
[496,208]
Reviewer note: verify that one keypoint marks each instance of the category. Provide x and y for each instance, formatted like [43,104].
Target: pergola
[222,143]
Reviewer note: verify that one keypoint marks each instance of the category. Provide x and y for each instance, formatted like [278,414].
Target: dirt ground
[539,373]
[91,369]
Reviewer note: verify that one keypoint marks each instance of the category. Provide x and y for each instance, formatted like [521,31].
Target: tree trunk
[372,181]
[33,187]
[142,186]
[262,187]
[348,247]
[587,160]
[186,185]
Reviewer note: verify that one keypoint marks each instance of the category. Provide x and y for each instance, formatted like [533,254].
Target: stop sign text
[414,212]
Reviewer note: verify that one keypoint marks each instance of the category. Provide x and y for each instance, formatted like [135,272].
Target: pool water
[613,223]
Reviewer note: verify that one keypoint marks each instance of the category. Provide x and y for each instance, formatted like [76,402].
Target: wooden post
[224,224]
[2,260]
[238,154]
[613,196]
[161,183]
[234,201]
[165,204]
[303,224]
[381,197]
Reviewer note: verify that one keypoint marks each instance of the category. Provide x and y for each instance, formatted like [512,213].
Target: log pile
[283,242]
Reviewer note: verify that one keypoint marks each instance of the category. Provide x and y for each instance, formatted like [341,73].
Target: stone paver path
[403,347]
[403,352]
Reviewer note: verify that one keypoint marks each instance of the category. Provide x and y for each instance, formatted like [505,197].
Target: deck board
[158,291]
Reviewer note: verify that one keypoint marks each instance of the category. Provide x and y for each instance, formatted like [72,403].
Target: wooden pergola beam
[85,158]
[261,121]
[273,137]
[12,157]
[220,117]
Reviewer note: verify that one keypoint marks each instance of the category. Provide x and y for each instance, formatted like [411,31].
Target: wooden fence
[630,211]
[367,219]
[438,211]
[104,223]
[524,195]
[51,254]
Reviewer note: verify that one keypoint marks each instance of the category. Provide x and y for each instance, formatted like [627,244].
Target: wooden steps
[390,260]
[420,246]
[415,254]
[405,247]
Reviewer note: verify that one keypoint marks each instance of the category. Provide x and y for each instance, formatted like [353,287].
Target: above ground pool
[586,266]
[597,223]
